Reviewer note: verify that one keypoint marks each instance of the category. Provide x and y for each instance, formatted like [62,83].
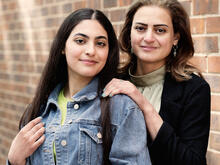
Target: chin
[89,75]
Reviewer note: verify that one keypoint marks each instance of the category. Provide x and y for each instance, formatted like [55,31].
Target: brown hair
[179,65]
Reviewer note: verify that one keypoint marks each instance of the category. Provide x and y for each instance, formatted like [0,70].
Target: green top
[151,86]
[62,102]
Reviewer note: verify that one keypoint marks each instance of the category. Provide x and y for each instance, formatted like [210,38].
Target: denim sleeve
[129,145]
[7,162]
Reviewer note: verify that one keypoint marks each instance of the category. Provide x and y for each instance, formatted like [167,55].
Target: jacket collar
[88,93]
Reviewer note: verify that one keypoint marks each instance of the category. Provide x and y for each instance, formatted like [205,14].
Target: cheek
[72,51]
[104,56]
[166,42]
[166,46]
[72,56]
[135,38]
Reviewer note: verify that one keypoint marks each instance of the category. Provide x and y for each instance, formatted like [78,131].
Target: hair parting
[55,72]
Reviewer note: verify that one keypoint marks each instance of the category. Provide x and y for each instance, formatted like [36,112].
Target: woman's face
[86,49]
[152,37]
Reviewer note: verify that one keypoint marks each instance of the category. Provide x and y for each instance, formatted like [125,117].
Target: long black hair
[55,71]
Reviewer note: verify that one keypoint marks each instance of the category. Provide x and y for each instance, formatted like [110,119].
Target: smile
[88,62]
[148,48]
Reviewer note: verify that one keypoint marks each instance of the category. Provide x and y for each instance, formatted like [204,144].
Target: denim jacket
[79,140]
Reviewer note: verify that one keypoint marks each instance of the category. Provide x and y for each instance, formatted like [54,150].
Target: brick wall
[28,27]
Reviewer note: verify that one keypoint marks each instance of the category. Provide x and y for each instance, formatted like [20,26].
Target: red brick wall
[27,28]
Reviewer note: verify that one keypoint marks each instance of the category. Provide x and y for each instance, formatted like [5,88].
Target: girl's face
[86,50]
[152,37]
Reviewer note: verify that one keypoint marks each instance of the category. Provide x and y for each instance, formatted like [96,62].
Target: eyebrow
[83,35]
[140,23]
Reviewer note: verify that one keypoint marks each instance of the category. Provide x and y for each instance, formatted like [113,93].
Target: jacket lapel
[171,100]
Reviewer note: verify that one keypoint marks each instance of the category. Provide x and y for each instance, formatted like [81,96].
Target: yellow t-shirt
[62,102]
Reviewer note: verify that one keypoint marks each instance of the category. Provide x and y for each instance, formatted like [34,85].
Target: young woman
[175,100]
[77,125]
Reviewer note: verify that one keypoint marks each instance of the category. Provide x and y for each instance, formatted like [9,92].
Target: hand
[29,138]
[116,86]
[152,118]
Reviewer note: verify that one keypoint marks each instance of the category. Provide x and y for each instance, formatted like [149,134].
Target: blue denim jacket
[79,140]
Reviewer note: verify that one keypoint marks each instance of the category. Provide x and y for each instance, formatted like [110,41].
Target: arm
[129,144]
[187,143]
[152,118]
[29,138]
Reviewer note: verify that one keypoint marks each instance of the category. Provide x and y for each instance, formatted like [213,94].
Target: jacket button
[70,122]
[99,135]
[76,106]
[63,143]
[45,150]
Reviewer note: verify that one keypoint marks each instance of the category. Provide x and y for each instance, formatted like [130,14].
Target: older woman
[172,94]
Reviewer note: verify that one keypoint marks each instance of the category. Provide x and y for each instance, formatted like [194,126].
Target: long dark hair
[178,66]
[55,71]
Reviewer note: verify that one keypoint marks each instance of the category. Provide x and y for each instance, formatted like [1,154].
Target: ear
[63,52]
[176,38]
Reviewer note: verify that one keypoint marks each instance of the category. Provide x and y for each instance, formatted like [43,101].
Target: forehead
[90,28]
[152,15]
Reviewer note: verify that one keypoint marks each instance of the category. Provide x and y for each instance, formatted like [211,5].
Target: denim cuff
[7,162]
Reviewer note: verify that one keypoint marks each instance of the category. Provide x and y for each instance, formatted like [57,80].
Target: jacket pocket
[90,144]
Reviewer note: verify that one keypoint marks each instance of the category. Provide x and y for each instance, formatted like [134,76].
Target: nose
[149,36]
[90,49]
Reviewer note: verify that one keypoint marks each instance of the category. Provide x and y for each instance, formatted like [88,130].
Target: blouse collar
[148,79]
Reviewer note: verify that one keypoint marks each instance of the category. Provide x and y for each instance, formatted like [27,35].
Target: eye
[140,28]
[80,41]
[101,43]
[160,30]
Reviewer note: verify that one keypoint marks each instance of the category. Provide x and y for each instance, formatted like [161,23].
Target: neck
[74,85]
[145,68]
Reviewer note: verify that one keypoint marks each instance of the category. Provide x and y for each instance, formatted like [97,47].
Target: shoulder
[196,81]
[174,90]
[123,101]
[123,107]
[196,87]
[192,84]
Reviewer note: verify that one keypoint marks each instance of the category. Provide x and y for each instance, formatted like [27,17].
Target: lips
[148,48]
[88,62]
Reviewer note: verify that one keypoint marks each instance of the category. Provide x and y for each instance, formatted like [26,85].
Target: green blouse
[62,102]
[151,85]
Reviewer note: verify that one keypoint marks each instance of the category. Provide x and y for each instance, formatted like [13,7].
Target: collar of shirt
[88,93]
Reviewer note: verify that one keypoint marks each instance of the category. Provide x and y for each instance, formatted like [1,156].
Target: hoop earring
[175,47]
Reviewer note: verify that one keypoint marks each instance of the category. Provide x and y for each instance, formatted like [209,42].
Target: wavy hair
[179,66]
